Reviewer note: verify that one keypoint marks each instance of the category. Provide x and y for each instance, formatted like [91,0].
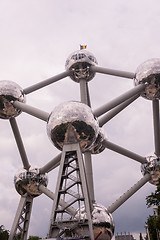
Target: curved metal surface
[152,166]
[72,122]
[101,219]
[98,147]
[79,63]
[149,73]
[27,181]
[10,92]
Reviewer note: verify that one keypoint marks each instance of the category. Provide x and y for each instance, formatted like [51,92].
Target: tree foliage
[154,198]
[4,234]
[153,222]
[33,238]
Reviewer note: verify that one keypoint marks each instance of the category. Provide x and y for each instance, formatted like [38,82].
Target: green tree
[33,238]
[153,222]
[154,198]
[4,234]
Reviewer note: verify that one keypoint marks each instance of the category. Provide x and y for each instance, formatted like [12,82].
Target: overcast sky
[36,38]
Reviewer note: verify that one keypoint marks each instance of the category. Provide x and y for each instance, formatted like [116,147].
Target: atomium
[102,221]
[74,129]
[79,64]
[72,122]
[149,73]
[152,166]
[10,92]
[27,181]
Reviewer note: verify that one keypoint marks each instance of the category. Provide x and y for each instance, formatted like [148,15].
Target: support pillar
[72,188]
[21,222]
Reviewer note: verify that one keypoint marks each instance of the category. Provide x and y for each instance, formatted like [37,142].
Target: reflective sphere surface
[97,146]
[79,63]
[9,92]
[103,224]
[149,72]
[28,181]
[72,122]
[153,167]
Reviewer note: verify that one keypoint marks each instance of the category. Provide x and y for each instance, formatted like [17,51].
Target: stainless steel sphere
[27,181]
[149,73]
[79,63]
[10,92]
[97,146]
[102,220]
[72,122]
[153,168]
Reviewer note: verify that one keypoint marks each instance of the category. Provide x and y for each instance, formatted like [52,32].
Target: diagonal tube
[129,193]
[19,143]
[32,110]
[113,72]
[122,98]
[46,82]
[62,203]
[51,165]
[107,117]
[124,151]
[156,122]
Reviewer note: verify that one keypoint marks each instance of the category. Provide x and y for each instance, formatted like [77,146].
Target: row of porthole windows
[82,55]
[78,56]
[29,175]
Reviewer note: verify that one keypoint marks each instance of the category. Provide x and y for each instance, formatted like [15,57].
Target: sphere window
[74,57]
[92,59]
[67,62]
[81,55]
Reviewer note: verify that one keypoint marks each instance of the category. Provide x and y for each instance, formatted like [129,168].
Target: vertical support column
[84,93]
[88,206]
[21,222]
[89,176]
[71,182]
[156,122]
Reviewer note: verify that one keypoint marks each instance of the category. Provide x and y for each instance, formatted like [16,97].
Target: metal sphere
[79,63]
[72,122]
[27,181]
[102,221]
[152,166]
[149,73]
[9,92]
[97,146]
